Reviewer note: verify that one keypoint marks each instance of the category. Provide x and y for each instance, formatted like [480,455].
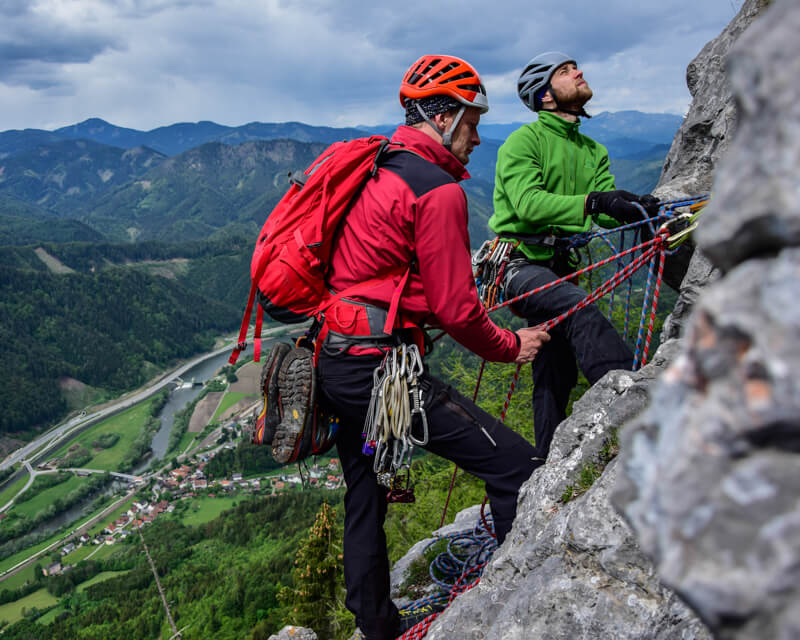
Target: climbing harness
[396,405]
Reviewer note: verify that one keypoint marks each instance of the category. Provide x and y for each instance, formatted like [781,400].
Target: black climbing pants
[586,336]
[454,422]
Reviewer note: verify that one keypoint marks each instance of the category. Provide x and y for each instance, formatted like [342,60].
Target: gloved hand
[617,204]
[650,203]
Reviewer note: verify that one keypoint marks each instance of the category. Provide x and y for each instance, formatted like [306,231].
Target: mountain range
[94,180]
[122,250]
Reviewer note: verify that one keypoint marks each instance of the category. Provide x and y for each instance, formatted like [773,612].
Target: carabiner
[403,353]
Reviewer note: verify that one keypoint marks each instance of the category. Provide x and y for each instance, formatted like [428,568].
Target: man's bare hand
[531,340]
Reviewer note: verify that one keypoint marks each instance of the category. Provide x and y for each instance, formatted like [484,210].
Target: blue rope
[465,551]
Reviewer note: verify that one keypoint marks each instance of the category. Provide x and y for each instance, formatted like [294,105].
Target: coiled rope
[456,570]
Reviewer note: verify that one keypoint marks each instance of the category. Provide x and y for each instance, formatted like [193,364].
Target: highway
[65,430]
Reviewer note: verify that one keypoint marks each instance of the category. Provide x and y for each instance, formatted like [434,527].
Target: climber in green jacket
[552,182]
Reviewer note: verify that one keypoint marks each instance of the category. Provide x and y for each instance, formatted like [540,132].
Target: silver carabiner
[420,442]
[481,254]
[417,366]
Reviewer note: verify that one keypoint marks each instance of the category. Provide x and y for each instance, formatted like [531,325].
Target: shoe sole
[270,415]
[297,387]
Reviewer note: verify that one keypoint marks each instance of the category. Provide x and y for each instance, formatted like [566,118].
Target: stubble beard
[575,99]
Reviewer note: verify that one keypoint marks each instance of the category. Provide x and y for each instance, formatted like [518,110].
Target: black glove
[617,204]
[651,204]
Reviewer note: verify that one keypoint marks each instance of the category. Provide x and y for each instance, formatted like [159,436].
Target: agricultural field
[12,490]
[18,579]
[126,426]
[230,400]
[41,599]
[202,510]
[79,554]
[47,497]
[100,577]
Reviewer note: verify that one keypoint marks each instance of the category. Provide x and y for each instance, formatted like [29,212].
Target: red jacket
[414,209]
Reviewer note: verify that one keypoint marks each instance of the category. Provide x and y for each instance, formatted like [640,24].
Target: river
[179,398]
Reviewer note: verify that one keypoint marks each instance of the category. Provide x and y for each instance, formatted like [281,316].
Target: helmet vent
[477,88]
[417,76]
[465,75]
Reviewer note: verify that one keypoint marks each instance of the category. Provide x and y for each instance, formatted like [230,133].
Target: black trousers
[586,336]
[454,423]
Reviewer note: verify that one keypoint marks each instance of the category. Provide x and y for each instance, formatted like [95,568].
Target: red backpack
[292,253]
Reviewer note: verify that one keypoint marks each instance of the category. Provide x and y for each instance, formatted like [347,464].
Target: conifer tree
[317,581]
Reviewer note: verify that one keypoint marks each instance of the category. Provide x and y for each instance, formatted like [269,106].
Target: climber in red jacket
[412,217]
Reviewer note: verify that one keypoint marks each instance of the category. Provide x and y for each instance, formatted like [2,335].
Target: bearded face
[569,88]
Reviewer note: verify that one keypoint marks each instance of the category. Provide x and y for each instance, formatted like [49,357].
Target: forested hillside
[117,259]
[116,316]
[240,598]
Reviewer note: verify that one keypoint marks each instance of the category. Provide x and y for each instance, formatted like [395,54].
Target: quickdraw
[489,266]
[396,405]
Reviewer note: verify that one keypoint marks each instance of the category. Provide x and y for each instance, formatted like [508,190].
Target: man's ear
[441,120]
[547,96]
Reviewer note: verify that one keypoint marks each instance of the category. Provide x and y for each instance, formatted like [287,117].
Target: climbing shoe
[271,413]
[297,387]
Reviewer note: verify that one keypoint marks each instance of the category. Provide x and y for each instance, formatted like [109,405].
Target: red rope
[510,393]
[662,257]
[643,246]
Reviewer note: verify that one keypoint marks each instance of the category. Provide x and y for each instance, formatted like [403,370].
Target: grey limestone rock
[704,135]
[290,632]
[709,476]
[573,570]
[711,473]
[756,208]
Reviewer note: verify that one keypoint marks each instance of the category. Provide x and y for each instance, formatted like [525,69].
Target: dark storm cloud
[36,39]
[31,40]
[503,35]
[147,8]
[146,63]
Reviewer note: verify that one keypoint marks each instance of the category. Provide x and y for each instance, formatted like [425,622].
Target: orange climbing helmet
[434,75]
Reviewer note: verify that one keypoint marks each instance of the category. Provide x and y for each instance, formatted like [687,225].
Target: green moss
[591,471]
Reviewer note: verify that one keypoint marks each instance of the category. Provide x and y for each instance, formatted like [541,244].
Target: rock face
[573,570]
[704,135]
[290,632]
[700,142]
[709,476]
[756,194]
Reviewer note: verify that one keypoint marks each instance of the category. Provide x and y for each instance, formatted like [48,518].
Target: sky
[148,63]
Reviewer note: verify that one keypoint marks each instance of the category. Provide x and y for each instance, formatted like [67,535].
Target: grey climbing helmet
[536,76]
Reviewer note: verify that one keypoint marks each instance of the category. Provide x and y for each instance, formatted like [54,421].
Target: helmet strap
[447,136]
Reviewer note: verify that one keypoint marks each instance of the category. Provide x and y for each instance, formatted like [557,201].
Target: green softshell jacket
[544,171]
